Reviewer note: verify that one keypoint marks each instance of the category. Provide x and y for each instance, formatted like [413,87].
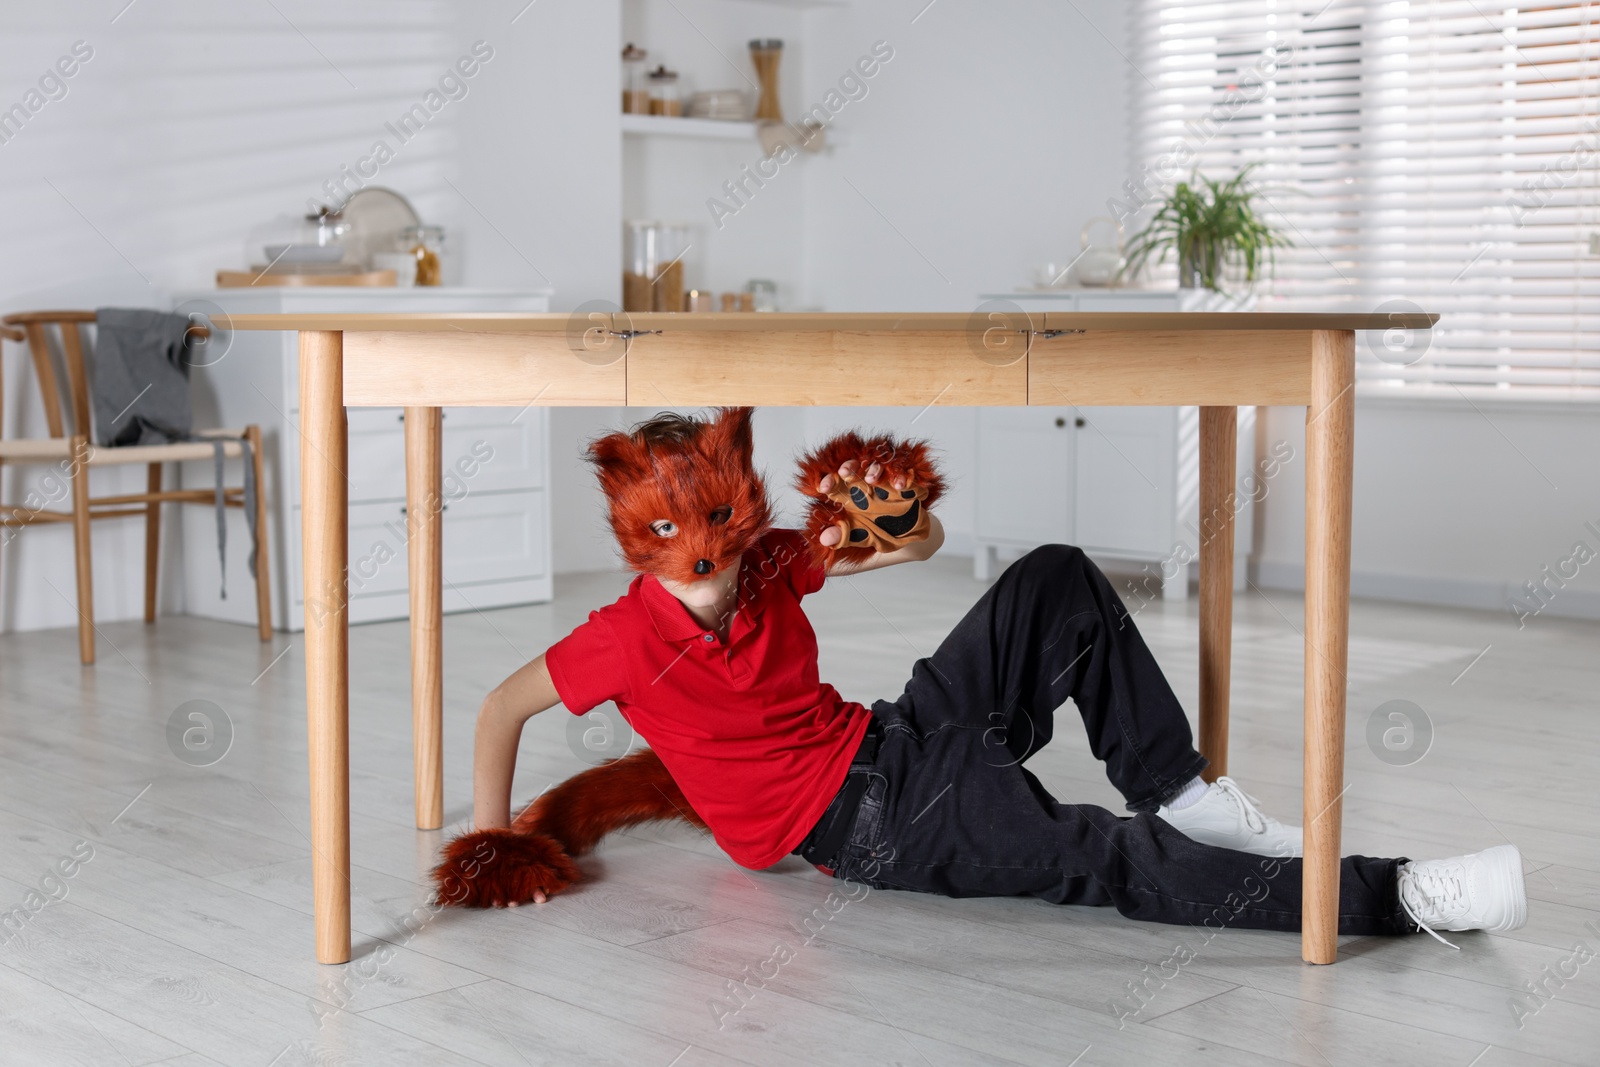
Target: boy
[711,659]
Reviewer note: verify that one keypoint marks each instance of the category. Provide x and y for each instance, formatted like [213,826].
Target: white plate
[376,216]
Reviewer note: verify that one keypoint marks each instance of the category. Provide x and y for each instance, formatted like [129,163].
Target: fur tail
[495,868]
[613,796]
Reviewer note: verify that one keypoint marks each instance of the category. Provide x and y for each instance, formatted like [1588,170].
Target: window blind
[1433,154]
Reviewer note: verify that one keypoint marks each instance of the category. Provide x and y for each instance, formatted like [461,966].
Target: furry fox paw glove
[876,491]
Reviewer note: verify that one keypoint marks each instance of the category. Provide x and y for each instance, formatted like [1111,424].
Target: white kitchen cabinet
[1014,446]
[495,470]
[1122,483]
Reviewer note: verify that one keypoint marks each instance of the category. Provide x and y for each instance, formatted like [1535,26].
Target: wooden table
[995,357]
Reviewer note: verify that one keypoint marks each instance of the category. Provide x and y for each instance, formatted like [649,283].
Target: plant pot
[1197,267]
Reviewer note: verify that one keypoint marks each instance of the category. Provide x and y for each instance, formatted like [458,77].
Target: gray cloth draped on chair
[141,397]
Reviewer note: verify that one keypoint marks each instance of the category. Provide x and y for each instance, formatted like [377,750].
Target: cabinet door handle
[443,509]
[402,416]
[1079,423]
[1060,422]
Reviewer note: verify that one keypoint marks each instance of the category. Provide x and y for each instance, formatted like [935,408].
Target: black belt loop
[841,812]
[868,752]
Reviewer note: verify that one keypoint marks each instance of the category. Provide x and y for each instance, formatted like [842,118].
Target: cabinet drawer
[491,537]
[493,450]
[485,450]
[376,465]
[488,537]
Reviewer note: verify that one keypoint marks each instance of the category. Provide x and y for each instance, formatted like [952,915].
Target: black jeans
[951,809]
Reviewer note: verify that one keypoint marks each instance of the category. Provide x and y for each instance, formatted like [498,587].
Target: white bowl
[404,265]
[304,253]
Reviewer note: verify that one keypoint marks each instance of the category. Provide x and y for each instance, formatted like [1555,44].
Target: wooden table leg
[1218,443]
[424,555]
[1330,436]
[324,497]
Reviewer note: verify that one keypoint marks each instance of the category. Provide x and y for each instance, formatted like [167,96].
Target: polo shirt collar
[673,621]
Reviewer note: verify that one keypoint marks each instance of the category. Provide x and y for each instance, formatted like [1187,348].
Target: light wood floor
[187,937]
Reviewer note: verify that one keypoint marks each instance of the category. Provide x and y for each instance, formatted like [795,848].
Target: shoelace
[1434,887]
[1254,817]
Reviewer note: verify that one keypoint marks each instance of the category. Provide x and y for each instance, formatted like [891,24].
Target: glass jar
[635,90]
[426,246]
[664,98]
[326,228]
[763,294]
[654,270]
[290,244]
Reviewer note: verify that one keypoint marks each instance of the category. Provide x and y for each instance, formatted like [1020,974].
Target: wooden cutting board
[244,279]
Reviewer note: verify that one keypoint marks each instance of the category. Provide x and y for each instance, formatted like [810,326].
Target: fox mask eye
[667,528]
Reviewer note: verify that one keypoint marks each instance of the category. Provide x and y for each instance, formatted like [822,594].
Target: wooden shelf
[665,126]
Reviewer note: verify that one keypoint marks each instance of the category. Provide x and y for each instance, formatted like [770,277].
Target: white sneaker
[1482,891]
[1229,817]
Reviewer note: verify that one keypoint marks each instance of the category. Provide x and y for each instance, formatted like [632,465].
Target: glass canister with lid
[763,294]
[664,95]
[635,89]
[654,268]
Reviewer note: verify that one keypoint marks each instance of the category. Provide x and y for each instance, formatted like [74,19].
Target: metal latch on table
[628,335]
[1055,333]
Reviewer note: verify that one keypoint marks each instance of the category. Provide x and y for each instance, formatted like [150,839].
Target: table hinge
[1055,333]
[628,335]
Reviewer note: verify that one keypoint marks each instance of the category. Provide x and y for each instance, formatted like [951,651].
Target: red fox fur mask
[696,475]
[699,476]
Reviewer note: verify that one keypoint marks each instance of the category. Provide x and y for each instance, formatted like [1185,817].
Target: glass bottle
[426,245]
[765,54]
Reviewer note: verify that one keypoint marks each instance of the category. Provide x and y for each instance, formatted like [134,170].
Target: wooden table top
[804,322]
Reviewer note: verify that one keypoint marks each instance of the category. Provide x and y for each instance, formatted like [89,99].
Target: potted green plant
[1211,225]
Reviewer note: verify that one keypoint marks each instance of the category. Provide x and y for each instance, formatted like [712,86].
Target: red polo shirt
[756,742]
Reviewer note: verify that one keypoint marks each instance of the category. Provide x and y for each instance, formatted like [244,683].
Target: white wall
[979,151]
[1454,504]
[540,157]
[193,123]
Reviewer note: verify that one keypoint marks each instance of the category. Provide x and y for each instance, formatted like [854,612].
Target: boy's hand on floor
[502,868]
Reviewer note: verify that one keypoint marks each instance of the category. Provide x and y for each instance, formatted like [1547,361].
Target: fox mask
[685,499]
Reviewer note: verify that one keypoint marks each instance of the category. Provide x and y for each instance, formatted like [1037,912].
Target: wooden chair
[75,455]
